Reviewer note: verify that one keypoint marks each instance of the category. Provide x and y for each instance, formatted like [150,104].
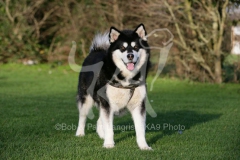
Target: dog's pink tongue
[130,66]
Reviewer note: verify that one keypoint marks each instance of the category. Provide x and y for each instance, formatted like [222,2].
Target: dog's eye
[135,47]
[122,48]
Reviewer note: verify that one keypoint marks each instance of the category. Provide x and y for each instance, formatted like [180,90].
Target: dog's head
[128,48]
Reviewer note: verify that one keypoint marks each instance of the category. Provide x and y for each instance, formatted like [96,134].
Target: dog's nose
[130,56]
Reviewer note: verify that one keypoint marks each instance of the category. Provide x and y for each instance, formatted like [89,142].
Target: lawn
[38,119]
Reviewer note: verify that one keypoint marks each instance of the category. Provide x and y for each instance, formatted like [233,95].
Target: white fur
[83,112]
[100,130]
[117,103]
[139,123]
[100,41]
[107,123]
[139,94]
[114,95]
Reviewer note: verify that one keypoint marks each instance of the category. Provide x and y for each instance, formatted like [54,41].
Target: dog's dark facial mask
[127,52]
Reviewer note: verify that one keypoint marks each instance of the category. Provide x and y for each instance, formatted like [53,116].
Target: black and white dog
[113,77]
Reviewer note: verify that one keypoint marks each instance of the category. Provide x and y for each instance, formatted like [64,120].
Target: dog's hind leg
[84,108]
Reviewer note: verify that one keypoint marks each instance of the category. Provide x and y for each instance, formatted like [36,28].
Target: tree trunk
[179,67]
[218,29]
[218,68]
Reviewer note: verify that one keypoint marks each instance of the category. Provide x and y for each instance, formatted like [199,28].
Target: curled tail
[100,42]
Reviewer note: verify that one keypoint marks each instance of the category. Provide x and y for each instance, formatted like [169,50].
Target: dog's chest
[118,97]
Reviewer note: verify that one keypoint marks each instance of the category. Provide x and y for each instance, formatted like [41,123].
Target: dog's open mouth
[130,66]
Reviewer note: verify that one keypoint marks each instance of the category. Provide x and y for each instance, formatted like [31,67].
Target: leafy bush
[231,68]
[17,36]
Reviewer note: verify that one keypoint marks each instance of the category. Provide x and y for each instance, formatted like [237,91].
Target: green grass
[34,99]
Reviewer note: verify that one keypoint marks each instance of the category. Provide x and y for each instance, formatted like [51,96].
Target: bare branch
[46,15]
[8,12]
[175,23]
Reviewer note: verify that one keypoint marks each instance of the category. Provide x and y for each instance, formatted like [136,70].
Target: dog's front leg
[106,116]
[139,118]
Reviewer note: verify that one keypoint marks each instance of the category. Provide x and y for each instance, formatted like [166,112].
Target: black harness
[131,87]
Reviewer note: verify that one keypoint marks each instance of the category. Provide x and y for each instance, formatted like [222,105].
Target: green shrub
[231,68]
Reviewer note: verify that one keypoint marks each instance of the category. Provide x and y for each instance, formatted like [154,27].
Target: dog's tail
[100,42]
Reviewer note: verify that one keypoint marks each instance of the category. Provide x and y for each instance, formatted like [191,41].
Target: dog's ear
[140,30]
[113,34]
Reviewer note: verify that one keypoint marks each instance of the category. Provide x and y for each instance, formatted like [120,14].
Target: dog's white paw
[108,145]
[80,134]
[145,148]
[142,144]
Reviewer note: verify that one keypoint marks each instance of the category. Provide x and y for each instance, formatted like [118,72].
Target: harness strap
[132,88]
[131,93]
[118,85]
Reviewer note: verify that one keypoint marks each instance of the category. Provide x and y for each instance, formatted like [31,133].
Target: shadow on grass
[169,123]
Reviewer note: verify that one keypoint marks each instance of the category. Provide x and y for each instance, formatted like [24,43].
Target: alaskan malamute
[113,77]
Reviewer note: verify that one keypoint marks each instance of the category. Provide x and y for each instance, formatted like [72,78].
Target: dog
[113,77]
